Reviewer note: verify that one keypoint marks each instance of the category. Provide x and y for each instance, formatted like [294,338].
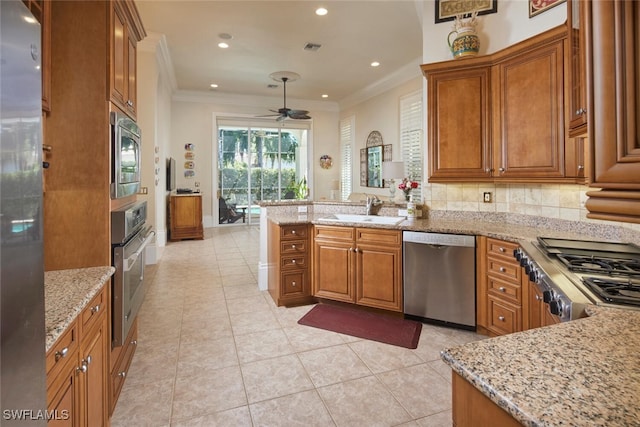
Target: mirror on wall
[371,159]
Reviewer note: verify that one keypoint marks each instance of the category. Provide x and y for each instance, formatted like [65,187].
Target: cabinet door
[131,100]
[576,82]
[94,355]
[529,123]
[333,275]
[379,276]
[459,125]
[118,69]
[535,309]
[187,212]
[63,397]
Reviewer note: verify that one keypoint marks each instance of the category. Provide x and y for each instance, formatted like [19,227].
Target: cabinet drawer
[505,269]
[293,283]
[121,369]
[504,318]
[94,309]
[505,290]
[379,236]
[334,233]
[288,232]
[290,247]
[293,262]
[501,248]
[62,350]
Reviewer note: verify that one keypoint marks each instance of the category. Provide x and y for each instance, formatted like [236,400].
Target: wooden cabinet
[500,117]
[41,10]
[77,368]
[577,18]
[499,289]
[613,76]
[126,31]
[289,258]
[121,358]
[535,311]
[185,217]
[358,265]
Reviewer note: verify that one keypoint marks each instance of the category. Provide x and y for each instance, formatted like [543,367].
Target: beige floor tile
[442,419]
[205,356]
[289,316]
[420,389]
[207,393]
[236,417]
[363,402]
[238,279]
[271,378]
[145,405]
[241,291]
[250,303]
[333,365]
[248,323]
[303,409]
[152,365]
[304,338]
[262,345]
[381,357]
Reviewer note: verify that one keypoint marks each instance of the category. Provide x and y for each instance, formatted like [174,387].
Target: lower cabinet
[120,362]
[77,369]
[185,217]
[358,265]
[289,257]
[536,313]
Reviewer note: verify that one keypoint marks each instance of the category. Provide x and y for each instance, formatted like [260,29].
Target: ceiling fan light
[223,45]
[321,11]
[375,64]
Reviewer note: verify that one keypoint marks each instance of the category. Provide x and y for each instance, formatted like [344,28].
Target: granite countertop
[67,293]
[580,373]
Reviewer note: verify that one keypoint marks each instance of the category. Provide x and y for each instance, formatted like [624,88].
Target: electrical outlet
[302,209]
[197,184]
[486,197]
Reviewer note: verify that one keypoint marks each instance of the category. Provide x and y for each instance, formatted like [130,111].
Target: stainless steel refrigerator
[22,330]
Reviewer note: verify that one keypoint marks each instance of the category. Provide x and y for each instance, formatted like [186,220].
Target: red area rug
[364,324]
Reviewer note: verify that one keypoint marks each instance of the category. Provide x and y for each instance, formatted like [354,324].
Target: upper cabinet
[577,18]
[500,117]
[41,10]
[613,76]
[126,32]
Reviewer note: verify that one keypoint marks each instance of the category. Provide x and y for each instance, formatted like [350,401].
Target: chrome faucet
[373,205]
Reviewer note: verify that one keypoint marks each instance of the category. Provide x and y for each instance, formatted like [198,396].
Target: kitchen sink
[365,219]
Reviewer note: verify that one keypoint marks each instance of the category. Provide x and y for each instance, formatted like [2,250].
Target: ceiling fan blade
[299,115]
[269,115]
[299,112]
[281,118]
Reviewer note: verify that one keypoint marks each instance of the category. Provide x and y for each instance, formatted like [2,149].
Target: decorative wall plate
[326,161]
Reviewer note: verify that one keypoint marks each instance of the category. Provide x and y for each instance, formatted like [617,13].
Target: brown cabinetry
[500,298]
[289,260]
[358,265]
[613,73]
[577,19]
[536,312]
[77,368]
[120,362]
[125,33]
[185,217]
[500,117]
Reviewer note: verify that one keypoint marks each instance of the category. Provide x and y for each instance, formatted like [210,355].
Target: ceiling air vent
[312,47]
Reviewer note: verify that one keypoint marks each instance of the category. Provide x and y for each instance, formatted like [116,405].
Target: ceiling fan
[284,112]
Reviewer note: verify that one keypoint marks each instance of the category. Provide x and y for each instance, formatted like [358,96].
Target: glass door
[258,162]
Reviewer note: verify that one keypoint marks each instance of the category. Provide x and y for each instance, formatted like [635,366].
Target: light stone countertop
[67,293]
[580,373]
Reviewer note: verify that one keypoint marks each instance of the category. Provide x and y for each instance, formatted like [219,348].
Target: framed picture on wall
[446,10]
[536,7]
[363,167]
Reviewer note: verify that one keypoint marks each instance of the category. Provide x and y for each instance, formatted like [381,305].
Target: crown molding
[157,43]
[252,101]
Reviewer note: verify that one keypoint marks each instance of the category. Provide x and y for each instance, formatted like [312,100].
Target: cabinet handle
[293,261]
[502,289]
[62,353]
[134,342]
[46,147]
[580,167]
[293,284]
[502,269]
[293,231]
[122,374]
[89,360]
[293,246]
[130,103]
[84,367]
[501,318]
[581,111]
[538,298]
[356,250]
[502,249]
[488,170]
[501,170]
[95,309]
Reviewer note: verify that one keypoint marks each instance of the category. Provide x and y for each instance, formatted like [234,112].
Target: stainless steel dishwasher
[439,275]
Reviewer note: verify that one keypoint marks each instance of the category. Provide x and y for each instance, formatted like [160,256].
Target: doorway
[258,161]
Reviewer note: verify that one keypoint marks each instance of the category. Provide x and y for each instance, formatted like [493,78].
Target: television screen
[171,174]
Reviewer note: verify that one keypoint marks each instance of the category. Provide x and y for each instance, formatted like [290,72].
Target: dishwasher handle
[438,239]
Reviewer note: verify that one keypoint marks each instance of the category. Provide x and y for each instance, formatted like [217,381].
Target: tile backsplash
[557,201]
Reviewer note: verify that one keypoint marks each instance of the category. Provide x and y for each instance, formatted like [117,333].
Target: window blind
[411,140]
[346,148]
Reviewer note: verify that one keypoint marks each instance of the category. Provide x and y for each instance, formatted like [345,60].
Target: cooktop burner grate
[617,291]
[601,265]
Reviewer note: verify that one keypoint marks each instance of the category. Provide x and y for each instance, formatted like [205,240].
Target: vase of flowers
[466,42]
[406,186]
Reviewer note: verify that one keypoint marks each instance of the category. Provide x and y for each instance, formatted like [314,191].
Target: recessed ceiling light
[324,95]
[225,36]
[321,11]
[375,64]
[223,45]
[214,86]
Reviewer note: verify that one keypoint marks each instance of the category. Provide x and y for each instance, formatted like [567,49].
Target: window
[346,148]
[411,138]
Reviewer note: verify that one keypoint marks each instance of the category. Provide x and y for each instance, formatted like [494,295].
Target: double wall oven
[129,238]
[574,273]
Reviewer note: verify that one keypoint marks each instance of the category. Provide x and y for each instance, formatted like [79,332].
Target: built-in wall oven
[125,152]
[129,238]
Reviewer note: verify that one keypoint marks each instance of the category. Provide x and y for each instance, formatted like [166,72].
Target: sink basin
[365,219]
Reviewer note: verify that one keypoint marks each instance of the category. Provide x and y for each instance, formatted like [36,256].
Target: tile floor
[213,350]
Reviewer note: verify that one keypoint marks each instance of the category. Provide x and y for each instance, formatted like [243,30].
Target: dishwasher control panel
[439,239]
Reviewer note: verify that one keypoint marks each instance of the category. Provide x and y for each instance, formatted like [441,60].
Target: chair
[226,214]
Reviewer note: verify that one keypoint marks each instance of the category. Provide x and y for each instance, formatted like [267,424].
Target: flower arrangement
[466,20]
[406,186]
